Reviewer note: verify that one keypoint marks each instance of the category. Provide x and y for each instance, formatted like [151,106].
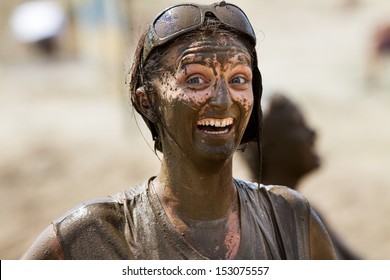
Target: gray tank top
[133,225]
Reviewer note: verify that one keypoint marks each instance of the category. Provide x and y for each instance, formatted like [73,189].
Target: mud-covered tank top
[133,225]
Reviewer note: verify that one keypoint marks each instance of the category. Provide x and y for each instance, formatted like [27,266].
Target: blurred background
[68,133]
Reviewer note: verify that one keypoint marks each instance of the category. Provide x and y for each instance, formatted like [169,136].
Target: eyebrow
[190,57]
[193,59]
[245,60]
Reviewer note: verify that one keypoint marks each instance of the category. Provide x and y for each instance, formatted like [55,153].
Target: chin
[217,153]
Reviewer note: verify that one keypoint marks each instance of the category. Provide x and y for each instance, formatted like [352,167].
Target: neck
[200,200]
[200,192]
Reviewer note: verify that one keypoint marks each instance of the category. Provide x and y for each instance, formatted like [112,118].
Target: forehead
[207,47]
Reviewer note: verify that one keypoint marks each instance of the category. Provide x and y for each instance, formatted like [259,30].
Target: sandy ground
[67,133]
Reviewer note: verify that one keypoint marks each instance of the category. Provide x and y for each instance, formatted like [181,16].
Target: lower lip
[217,134]
[225,131]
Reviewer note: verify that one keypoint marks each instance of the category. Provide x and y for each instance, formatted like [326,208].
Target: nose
[221,99]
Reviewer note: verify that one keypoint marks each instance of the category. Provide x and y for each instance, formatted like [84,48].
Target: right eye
[195,80]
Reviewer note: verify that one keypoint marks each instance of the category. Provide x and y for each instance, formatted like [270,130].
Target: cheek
[245,99]
[169,92]
[198,98]
[173,93]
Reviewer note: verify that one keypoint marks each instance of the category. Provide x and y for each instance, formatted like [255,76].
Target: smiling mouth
[215,126]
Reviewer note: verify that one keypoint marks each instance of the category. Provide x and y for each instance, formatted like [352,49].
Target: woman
[196,83]
[288,154]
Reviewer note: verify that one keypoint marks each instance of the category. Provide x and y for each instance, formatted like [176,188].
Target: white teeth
[216,122]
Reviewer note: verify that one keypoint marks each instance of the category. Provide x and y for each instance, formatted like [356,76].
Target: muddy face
[205,97]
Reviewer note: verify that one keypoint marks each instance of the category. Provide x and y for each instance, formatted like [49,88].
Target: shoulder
[286,204]
[288,195]
[275,193]
[91,230]
[295,218]
[321,244]
[86,217]
[94,212]
[89,211]
[45,247]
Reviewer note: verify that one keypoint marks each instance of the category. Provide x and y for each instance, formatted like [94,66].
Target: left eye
[238,80]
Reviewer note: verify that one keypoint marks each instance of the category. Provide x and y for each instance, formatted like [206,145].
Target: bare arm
[321,245]
[45,247]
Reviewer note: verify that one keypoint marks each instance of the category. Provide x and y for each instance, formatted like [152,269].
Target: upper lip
[217,122]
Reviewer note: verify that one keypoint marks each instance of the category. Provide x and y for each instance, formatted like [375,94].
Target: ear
[144,100]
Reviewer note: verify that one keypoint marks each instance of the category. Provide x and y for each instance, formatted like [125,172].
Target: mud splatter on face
[213,59]
[204,86]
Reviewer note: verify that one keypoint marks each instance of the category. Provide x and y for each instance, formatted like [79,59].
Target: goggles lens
[177,20]
[184,18]
[234,17]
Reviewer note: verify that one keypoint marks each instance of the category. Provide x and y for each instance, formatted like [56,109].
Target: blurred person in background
[40,24]
[288,153]
[379,56]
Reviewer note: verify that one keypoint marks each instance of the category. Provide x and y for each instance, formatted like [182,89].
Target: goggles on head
[182,18]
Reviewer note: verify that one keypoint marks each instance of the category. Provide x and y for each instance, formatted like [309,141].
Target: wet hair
[142,75]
